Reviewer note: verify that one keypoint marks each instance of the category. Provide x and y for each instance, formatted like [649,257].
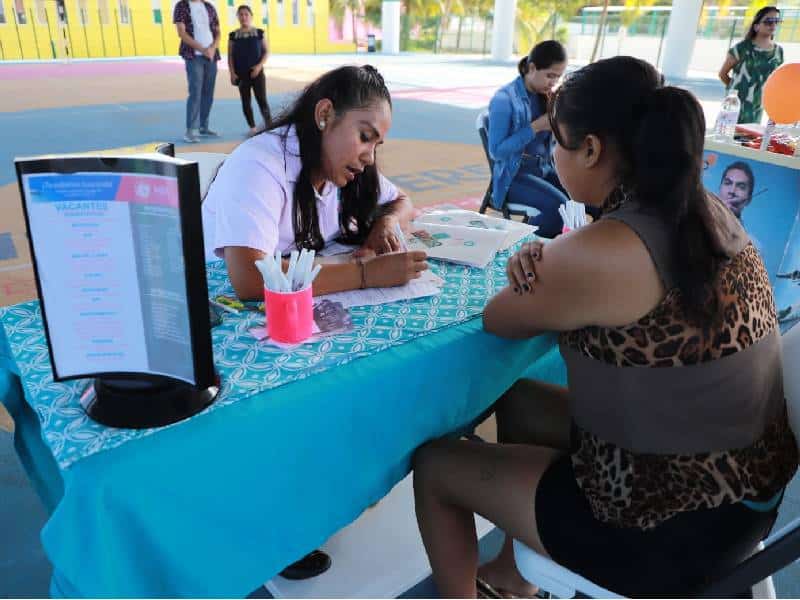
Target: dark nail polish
[526,287]
[530,275]
[516,290]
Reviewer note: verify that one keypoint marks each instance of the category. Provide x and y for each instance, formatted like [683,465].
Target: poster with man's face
[764,192]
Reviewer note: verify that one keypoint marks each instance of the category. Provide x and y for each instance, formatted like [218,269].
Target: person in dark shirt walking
[247,53]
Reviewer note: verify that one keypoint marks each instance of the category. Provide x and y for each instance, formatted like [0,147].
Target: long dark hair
[658,132]
[762,12]
[347,88]
[543,56]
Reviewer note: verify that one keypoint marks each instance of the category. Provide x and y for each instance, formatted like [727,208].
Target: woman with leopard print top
[662,463]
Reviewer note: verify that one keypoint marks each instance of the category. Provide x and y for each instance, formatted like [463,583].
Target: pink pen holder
[290,315]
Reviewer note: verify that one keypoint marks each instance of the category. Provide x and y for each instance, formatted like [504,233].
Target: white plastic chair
[207,164]
[777,551]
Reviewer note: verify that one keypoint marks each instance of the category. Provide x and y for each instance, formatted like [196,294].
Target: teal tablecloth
[220,504]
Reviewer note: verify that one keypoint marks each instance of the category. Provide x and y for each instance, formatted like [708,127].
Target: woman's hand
[382,238]
[521,268]
[234,79]
[541,124]
[390,270]
[254,72]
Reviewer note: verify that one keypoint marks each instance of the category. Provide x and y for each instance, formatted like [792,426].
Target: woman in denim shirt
[519,139]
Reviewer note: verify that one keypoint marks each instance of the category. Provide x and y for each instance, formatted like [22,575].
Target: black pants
[259,87]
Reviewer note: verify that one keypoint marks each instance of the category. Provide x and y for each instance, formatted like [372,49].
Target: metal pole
[133,32]
[35,35]
[85,35]
[49,32]
[2,52]
[733,32]
[102,34]
[116,25]
[163,39]
[661,42]
[485,33]
[71,51]
[314,23]
[268,24]
[16,26]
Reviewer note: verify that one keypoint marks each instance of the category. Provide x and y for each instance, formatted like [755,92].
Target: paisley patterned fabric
[246,366]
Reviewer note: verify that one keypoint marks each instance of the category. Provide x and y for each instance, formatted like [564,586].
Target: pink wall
[343,32]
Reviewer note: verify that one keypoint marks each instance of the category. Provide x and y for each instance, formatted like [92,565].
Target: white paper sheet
[427,285]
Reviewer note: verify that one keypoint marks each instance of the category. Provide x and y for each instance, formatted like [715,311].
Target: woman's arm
[257,68]
[382,237]
[265,51]
[381,271]
[231,70]
[503,142]
[724,72]
[583,278]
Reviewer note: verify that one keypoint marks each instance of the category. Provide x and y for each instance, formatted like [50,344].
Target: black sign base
[144,401]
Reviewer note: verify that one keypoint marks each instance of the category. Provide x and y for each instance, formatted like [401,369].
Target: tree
[338,8]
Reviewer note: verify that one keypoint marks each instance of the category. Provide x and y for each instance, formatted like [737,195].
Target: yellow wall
[141,36]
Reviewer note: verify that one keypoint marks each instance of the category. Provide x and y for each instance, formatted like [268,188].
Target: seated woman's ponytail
[658,132]
[666,174]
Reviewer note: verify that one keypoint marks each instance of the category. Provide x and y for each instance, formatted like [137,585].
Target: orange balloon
[782,94]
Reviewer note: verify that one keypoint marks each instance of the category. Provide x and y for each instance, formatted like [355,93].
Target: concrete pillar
[505,13]
[681,35]
[390,24]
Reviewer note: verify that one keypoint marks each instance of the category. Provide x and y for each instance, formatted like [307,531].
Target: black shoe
[309,566]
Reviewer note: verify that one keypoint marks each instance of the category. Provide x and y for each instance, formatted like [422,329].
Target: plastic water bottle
[728,117]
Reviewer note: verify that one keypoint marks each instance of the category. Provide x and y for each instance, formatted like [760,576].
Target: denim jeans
[542,193]
[201,74]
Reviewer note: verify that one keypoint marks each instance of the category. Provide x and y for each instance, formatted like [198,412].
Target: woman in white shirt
[309,180]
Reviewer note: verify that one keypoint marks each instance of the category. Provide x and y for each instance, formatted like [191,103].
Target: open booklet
[515,231]
[469,246]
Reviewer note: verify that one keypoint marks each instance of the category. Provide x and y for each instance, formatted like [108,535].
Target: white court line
[15,267]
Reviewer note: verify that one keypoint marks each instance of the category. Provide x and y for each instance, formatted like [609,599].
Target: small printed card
[330,318]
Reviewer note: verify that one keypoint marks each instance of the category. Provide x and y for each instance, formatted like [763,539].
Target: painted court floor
[433,153]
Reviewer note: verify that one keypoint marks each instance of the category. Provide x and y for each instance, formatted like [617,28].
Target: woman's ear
[324,113]
[592,151]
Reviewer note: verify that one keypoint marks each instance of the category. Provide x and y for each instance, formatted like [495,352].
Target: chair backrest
[791,377]
[166,148]
[782,547]
[208,163]
[482,125]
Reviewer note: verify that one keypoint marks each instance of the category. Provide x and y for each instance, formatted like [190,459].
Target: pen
[221,306]
[400,237]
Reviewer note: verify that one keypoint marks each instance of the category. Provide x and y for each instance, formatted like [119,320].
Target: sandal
[486,590]
[311,565]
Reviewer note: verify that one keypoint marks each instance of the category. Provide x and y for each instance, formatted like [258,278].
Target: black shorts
[675,559]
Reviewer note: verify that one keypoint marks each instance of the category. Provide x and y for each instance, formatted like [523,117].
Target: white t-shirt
[250,203]
[200,24]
